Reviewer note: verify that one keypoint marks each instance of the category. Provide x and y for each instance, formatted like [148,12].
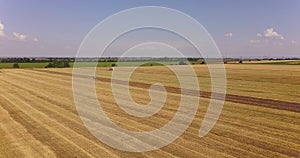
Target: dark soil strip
[269,103]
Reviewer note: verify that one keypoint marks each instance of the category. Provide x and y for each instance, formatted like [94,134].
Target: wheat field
[260,117]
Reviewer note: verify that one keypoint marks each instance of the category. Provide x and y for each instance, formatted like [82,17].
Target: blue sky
[240,28]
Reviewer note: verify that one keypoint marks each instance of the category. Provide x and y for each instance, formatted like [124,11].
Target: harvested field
[260,117]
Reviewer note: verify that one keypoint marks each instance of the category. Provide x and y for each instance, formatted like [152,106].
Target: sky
[268,28]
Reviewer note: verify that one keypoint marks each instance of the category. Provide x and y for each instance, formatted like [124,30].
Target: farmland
[273,62]
[260,118]
[87,64]
[43,64]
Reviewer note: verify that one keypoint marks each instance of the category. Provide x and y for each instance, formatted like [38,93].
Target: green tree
[66,64]
[58,64]
[181,62]
[16,65]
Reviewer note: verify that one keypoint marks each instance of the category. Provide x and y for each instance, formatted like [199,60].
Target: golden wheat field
[260,118]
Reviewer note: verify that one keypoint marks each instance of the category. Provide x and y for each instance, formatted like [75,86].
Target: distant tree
[181,62]
[50,65]
[66,64]
[16,65]
[241,61]
[203,62]
[58,64]
[113,65]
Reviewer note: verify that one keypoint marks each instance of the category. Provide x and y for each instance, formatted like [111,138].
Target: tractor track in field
[262,102]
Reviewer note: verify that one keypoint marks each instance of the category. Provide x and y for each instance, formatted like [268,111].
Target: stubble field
[260,117]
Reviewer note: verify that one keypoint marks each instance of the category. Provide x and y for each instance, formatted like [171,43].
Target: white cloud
[228,34]
[270,33]
[19,36]
[259,35]
[254,41]
[257,43]
[2,29]
[14,35]
[35,39]
[294,42]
